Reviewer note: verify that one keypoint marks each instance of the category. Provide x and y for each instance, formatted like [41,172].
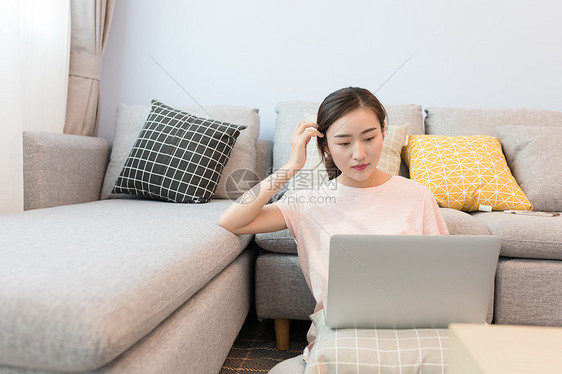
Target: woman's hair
[338,104]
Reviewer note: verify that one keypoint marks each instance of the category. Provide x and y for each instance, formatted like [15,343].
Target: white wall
[500,54]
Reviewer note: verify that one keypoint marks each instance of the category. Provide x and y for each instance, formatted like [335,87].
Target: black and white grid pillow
[177,157]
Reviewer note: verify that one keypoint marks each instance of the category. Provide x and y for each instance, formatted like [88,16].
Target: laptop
[410,281]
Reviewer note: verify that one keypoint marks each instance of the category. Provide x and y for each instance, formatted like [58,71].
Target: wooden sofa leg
[282,333]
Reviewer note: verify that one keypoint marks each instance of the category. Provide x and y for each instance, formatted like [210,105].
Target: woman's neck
[376,179]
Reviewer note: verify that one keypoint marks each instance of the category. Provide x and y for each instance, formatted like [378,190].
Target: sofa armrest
[61,169]
[264,158]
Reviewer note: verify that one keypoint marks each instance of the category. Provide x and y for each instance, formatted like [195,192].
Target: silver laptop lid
[405,281]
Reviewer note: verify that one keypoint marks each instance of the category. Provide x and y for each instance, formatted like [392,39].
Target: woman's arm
[249,214]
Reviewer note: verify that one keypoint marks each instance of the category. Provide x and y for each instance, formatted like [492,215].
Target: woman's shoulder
[409,184]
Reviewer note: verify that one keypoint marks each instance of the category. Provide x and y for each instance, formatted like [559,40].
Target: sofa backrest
[530,140]
[62,169]
[465,121]
[290,113]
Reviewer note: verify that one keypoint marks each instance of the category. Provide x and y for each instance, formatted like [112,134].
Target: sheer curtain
[34,74]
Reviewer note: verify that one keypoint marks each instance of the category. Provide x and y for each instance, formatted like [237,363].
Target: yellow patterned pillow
[464,172]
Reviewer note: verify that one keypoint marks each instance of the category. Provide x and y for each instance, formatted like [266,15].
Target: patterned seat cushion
[376,350]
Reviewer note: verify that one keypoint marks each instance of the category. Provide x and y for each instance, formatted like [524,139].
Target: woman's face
[355,144]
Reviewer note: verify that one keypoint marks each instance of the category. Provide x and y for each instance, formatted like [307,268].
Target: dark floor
[255,351]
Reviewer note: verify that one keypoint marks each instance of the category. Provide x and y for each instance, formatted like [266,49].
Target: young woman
[358,198]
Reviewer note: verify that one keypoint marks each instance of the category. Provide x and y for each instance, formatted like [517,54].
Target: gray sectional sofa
[96,283]
[119,285]
[528,284]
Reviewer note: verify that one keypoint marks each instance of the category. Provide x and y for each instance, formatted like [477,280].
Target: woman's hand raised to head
[251,214]
[304,131]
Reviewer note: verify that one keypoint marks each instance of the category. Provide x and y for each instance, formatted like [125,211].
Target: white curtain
[35,37]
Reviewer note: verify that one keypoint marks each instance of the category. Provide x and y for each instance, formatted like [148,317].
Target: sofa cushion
[462,223]
[533,154]
[528,292]
[525,236]
[466,121]
[376,350]
[281,289]
[464,172]
[82,283]
[277,241]
[131,119]
[178,157]
[290,113]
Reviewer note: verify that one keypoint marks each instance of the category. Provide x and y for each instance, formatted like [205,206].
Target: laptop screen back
[405,281]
